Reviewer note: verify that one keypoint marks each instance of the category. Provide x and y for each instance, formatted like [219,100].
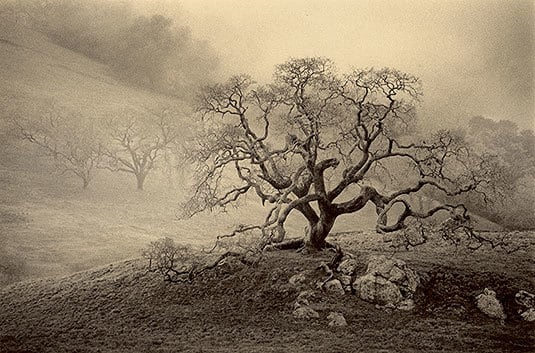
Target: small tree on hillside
[72,142]
[312,141]
[137,144]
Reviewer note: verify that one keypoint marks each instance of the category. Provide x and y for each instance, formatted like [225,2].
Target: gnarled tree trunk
[318,232]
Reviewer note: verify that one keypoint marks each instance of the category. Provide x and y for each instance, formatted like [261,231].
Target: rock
[345,280]
[388,282]
[377,290]
[528,315]
[347,266]
[334,286]
[407,304]
[381,265]
[411,281]
[526,299]
[304,298]
[336,319]
[396,275]
[298,279]
[305,313]
[490,305]
[396,271]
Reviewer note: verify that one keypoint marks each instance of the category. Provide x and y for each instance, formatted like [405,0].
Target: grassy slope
[122,308]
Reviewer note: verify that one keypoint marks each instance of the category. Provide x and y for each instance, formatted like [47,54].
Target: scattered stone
[334,286]
[336,319]
[298,279]
[528,315]
[488,304]
[305,313]
[348,266]
[527,300]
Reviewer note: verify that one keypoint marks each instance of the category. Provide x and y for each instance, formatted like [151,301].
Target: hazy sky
[474,57]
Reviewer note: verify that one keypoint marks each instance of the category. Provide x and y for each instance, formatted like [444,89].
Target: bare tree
[337,131]
[136,144]
[72,142]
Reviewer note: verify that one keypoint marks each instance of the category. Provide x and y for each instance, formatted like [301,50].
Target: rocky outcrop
[388,282]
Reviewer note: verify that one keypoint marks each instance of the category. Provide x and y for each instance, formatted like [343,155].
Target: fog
[474,57]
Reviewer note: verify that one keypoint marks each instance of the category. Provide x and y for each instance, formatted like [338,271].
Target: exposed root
[295,244]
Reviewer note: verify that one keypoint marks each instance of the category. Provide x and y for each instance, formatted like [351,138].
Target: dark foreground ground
[123,308]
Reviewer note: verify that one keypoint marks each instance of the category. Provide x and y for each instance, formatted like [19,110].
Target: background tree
[309,142]
[72,141]
[513,152]
[137,143]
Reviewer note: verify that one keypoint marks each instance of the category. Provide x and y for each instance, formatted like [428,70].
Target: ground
[123,308]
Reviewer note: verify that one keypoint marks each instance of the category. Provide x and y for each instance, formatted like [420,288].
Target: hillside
[123,308]
[37,73]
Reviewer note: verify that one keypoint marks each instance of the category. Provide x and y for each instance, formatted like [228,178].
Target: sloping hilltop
[248,308]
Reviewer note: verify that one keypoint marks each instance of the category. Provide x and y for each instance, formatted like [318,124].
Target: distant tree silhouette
[137,143]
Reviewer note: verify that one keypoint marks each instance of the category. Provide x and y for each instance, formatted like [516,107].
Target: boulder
[489,305]
[388,283]
[298,279]
[305,313]
[336,319]
[334,286]
[378,290]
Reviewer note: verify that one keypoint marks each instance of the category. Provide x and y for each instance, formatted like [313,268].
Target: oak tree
[315,142]
[138,142]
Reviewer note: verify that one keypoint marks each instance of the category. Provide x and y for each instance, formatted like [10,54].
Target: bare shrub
[180,263]
[170,260]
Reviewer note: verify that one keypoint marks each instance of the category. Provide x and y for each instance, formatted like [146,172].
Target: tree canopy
[316,142]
